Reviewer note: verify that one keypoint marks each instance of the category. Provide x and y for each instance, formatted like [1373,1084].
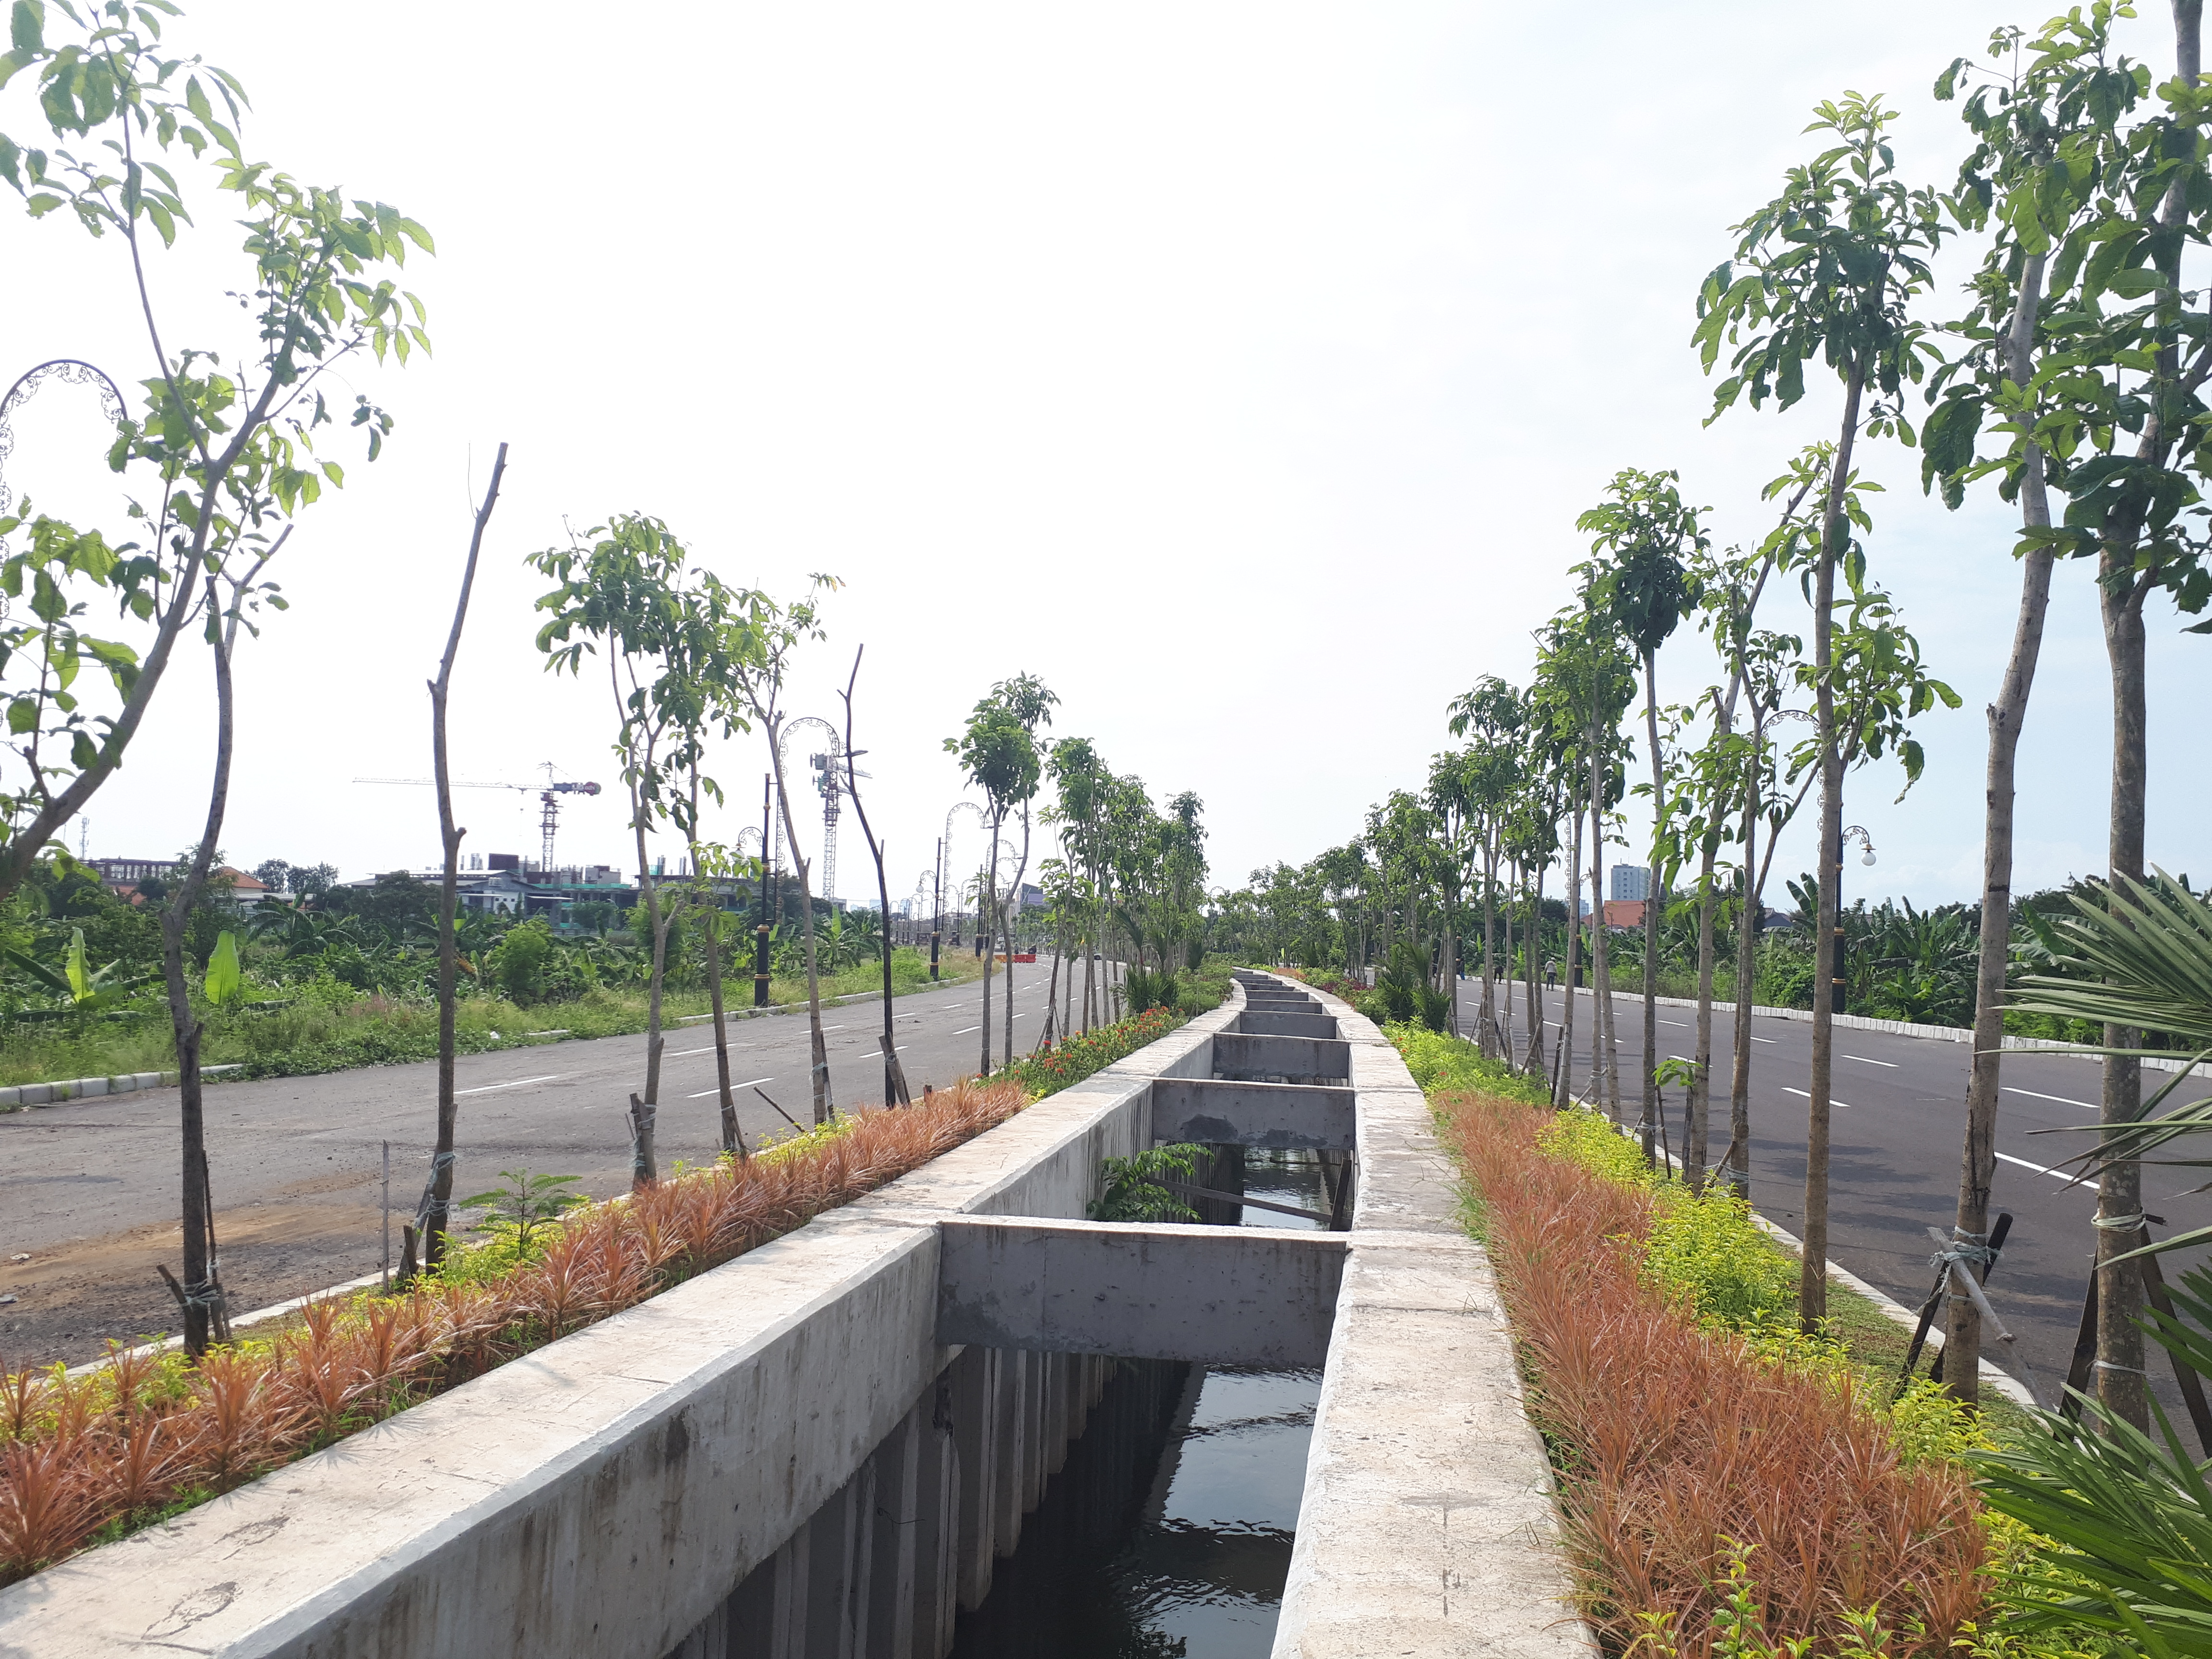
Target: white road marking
[1768,1041]
[2061,1099]
[1863,1060]
[1833,1101]
[965,1030]
[487,1088]
[1676,1024]
[2040,1169]
[717,1088]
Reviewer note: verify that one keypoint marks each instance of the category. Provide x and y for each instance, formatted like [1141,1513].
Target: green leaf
[225,979]
[2133,284]
[27,27]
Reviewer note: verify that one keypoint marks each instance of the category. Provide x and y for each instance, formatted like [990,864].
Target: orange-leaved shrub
[1678,1444]
[83,1457]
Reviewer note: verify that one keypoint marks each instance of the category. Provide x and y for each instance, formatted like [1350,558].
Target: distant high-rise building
[1631,881]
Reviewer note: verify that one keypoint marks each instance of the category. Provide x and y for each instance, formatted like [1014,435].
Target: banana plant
[83,988]
[2137,955]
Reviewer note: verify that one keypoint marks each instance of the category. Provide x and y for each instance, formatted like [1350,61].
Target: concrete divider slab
[1295,1058]
[1216,1112]
[1262,1023]
[1228,1296]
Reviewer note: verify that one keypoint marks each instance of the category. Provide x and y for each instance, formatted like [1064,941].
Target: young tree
[664,638]
[1644,535]
[759,636]
[228,451]
[1495,712]
[1833,266]
[1026,698]
[430,1222]
[2088,215]
[1585,683]
[895,1093]
[229,594]
[1728,590]
[999,757]
[1080,777]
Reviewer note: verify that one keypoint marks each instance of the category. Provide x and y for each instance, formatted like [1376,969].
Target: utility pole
[760,933]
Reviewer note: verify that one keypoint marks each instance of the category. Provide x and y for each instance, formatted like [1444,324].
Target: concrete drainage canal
[1169,1529]
[955,1418]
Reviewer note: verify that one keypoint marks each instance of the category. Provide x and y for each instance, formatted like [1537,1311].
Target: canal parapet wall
[823,1447]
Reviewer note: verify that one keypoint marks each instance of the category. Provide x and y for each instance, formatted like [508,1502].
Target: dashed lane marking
[485,1089]
[1833,1101]
[2061,1099]
[717,1088]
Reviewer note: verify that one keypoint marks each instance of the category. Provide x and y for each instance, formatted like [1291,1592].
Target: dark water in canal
[1169,1531]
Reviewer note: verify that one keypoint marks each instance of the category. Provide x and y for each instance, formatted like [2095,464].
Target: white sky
[1238,370]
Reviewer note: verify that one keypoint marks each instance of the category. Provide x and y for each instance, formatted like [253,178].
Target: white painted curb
[78,1088]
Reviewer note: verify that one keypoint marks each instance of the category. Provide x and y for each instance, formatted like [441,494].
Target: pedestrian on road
[1551,973]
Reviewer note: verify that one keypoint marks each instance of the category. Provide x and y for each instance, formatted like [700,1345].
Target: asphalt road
[1895,1138]
[89,1189]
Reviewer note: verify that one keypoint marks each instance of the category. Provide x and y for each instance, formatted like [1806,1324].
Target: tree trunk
[1021,870]
[1977,1165]
[986,923]
[1090,956]
[825,1108]
[1652,909]
[656,921]
[1051,985]
[1533,950]
[1813,1276]
[734,1139]
[1747,968]
[1698,1107]
[202,1293]
[1488,1015]
[1565,1089]
[2121,1384]
[1605,1055]
[432,1222]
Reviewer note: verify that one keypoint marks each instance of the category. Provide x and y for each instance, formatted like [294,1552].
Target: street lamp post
[761,932]
[1842,841]
[937,905]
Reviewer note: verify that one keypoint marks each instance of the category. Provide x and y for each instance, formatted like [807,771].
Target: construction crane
[547,792]
[831,784]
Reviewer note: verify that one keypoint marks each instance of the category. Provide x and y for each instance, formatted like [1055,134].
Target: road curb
[1908,1028]
[23,1095]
